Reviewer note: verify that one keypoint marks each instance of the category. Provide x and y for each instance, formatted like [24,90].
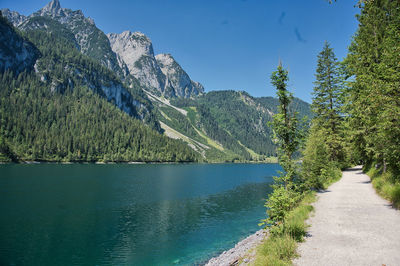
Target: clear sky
[228,44]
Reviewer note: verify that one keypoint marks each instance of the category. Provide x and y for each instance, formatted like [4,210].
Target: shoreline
[132,162]
[240,252]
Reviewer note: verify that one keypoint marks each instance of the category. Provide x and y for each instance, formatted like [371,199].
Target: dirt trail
[352,225]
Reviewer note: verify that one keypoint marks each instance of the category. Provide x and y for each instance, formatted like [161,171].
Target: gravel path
[352,225]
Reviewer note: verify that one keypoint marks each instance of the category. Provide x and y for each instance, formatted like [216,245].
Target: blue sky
[229,44]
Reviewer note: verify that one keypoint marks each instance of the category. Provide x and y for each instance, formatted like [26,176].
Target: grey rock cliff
[179,80]
[16,53]
[136,51]
[160,74]
[13,17]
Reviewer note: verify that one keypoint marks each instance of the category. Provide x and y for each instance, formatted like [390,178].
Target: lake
[121,214]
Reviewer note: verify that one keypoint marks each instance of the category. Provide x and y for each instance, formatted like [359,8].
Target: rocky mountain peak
[159,73]
[90,40]
[52,8]
[13,17]
[136,51]
[135,43]
[177,77]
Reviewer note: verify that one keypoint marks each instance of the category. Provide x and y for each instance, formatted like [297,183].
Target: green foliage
[280,247]
[288,137]
[299,106]
[374,105]
[238,113]
[279,203]
[286,130]
[77,125]
[325,152]
[6,155]
[295,222]
[318,169]
[277,251]
[386,183]
[238,121]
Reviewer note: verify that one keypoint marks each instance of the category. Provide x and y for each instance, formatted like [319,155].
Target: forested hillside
[60,112]
[236,121]
[60,73]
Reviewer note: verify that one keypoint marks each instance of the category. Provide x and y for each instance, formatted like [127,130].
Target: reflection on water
[124,214]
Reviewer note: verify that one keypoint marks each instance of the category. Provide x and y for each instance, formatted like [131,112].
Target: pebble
[241,249]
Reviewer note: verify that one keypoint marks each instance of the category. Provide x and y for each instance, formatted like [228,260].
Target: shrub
[279,203]
[395,197]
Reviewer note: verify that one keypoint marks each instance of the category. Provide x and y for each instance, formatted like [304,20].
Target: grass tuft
[277,251]
[280,249]
[385,185]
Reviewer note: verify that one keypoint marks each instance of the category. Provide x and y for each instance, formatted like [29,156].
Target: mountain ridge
[217,125]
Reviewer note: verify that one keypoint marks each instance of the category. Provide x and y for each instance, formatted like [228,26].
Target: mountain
[13,17]
[129,55]
[159,74]
[74,29]
[224,125]
[64,108]
[86,96]
[136,51]
[90,40]
[177,78]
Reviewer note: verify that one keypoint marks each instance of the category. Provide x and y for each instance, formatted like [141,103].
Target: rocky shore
[241,251]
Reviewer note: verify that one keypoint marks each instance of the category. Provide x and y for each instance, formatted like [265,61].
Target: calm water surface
[84,214]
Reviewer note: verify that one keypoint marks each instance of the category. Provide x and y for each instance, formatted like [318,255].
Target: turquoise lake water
[120,214]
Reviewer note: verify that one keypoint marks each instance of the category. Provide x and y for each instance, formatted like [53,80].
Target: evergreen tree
[327,102]
[324,151]
[287,136]
[374,95]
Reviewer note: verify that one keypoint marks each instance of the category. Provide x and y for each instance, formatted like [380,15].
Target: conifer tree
[324,151]
[327,102]
[374,95]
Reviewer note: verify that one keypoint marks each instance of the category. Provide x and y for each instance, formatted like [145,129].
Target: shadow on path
[323,191]
[355,169]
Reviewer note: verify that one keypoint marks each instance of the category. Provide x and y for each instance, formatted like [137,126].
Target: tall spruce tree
[327,102]
[324,151]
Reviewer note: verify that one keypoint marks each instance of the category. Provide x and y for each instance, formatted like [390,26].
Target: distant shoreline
[132,162]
